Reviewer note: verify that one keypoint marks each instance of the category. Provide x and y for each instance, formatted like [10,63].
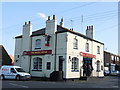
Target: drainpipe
[30,57]
[55,51]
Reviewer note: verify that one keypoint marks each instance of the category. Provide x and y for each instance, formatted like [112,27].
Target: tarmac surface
[106,82]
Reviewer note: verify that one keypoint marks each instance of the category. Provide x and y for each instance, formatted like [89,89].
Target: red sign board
[42,52]
[87,55]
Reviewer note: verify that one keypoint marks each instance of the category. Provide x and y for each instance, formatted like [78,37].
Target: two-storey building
[56,48]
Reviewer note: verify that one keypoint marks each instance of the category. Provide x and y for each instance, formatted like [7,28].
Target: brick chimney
[90,32]
[26,45]
[51,25]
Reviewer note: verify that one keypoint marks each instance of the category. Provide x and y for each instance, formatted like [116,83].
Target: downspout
[30,55]
[55,51]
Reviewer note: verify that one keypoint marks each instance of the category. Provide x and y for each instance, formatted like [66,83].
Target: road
[106,82]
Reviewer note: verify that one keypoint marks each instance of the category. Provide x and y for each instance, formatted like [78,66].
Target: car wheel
[2,77]
[18,78]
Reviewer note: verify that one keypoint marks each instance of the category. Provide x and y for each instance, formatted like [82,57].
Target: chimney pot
[91,27]
[29,22]
[62,20]
[54,17]
[72,29]
[25,23]
[87,27]
[48,17]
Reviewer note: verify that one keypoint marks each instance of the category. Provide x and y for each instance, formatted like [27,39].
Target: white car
[14,72]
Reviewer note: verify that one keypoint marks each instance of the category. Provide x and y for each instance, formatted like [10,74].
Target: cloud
[42,15]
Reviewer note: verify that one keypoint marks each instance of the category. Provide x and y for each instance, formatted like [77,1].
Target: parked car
[106,72]
[14,72]
[116,72]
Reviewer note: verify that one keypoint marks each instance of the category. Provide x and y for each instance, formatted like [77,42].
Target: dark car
[115,73]
[106,72]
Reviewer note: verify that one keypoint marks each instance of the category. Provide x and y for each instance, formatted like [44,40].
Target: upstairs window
[87,47]
[117,58]
[75,43]
[112,57]
[38,44]
[98,49]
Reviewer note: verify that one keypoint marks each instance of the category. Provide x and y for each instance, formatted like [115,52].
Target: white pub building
[55,48]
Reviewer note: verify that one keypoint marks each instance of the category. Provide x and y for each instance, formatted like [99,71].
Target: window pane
[74,64]
[40,63]
[75,43]
[48,65]
[35,63]
[98,49]
[87,47]
[98,66]
[38,43]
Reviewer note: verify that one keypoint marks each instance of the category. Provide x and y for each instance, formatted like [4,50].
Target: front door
[60,63]
[87,66]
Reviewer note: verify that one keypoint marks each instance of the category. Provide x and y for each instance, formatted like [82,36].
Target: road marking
[19,85]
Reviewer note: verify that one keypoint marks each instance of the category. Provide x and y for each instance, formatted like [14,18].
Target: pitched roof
[6,60]
[38,32]
[35,33]
[60,29]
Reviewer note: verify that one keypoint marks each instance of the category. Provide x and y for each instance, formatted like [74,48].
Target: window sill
[75,48]
[75,71]
[48,69]
[37,48]
[36,70]
[98,71]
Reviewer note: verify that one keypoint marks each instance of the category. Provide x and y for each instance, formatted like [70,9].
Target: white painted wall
[45,58]
[18,51]
[81,48]
[26,45]
[44,72]
[62,51]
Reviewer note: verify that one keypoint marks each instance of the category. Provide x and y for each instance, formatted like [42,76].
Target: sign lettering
[87,55]
[42,52]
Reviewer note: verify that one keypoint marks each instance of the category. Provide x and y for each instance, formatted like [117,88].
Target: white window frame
[87,47]
[98,66]
[37,63]
[112,57]
[98,49]
[75,62]
[117,58]
[75,43]
[38,44]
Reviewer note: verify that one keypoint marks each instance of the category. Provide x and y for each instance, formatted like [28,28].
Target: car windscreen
[19,70]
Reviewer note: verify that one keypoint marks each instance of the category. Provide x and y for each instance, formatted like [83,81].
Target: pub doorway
[87,66]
